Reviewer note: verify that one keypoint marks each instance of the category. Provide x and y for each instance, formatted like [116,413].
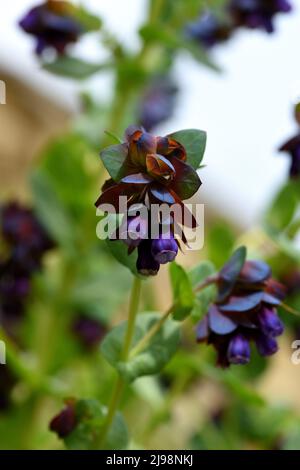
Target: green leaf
[73,67]
[113,137]
[160,33]
[240,389]
[188,181]
[90,415]
[204,297]
[120,251]
[113,158]
[50,210]
[230,272]
[89,21]
[283,208]
[194,142]
[183,295]
[153,358]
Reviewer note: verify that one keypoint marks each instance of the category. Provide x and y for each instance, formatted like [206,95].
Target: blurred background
[247,113]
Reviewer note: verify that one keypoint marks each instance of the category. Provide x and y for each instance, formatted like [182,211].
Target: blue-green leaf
[194,142]
[153,358]
[183,295]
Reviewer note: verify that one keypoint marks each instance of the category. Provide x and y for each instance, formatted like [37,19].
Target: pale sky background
[246,110]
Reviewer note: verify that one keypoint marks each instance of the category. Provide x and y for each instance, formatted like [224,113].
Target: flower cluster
[154,171]
[292,146]
[245,310]
[211,29]
[257,14]
[54,24]
[157,104]
[26,242]
[208,30]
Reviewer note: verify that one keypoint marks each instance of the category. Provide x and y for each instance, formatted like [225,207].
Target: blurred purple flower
[257,14]
[53,25]
[208,30]
[65,421]
[158,103]
[88,330]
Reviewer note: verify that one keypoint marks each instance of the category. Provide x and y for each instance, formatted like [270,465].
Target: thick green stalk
[118,388]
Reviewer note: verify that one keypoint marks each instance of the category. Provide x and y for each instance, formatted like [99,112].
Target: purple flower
[269,322]
[245,311]
[54,25]
[266,345]
[88,330]
[157,104]
[238,350]
[257,14]
[164,250]
[26,241]
[154,172]
[65,422]
[292,146]
[208,30]
[21,229]
[146,264]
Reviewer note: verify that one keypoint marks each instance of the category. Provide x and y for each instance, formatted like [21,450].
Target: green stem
[119,385]
[28,374]
[133,310]
[143,343]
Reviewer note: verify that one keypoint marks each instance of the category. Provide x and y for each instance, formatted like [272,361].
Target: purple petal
[202,329]
[219,323]
[242,303]
[255,271]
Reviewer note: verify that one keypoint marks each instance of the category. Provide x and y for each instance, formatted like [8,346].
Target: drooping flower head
[257,14]
[208,30]
[292,147]
[55,24]
[150,170]
[244,311]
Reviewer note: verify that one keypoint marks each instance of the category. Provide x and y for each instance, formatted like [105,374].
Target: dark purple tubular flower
[244,312]
[292,146]
[157,104]
[53,24]
[88,330]
[238,350]
[257,14]
[208,30]
[164,250]
[65,422]
[146,264]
